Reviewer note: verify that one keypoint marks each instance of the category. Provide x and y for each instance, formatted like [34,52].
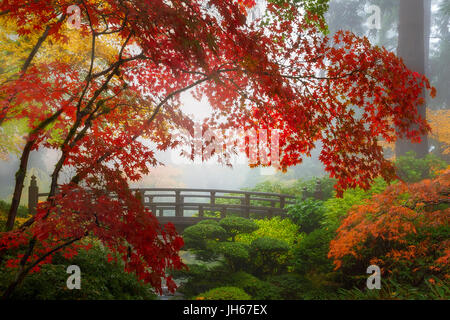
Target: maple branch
[30,221]
[38,45]
[79,176]
[88,77]
[21,173]
[72,132]
[118,63]
[122,27]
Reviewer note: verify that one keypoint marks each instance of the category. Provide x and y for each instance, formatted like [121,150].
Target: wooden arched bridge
[185,207]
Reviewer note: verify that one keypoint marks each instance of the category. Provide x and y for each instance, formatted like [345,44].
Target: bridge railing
[179,200]
[173,202]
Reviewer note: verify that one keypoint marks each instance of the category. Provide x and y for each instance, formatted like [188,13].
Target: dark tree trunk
[412,48]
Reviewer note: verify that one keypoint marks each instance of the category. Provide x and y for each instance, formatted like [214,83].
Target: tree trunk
[412,48]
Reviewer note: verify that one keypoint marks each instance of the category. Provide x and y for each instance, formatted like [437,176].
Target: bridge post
[152,206]
[182,205]
[142,196]
[272,205]
[213,198]
[318,194]
[178,207]
[201,213]
[33,196]
[282,202]
[247,206]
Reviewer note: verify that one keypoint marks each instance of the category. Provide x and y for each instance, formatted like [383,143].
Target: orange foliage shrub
[403,230]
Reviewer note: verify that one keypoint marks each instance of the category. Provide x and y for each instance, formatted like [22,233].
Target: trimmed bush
[210,239]
[275,228]
[205,231]
[237,225]
[224,293]
[258,289]
[265,253]
[290,286]
[236,254]
[267,245]
[307,214]
[209,221]
[201,239]
[312,252]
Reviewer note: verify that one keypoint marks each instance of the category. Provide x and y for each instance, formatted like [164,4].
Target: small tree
[404,230]
[211,239]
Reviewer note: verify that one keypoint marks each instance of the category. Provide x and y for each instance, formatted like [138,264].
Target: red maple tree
[283,74]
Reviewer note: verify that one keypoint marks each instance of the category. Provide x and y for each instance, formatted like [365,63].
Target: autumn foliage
[403,229]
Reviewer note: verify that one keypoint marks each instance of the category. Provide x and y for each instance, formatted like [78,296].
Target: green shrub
[264,290]
[265,255]
[256,288]
[208,238]
[201,239]
[208,214]
[268,186]
[237,225]
[411,169]
[200,278]
[209,221]
[224,293]
[205,231]
[22,211]
[307,214]
[275,228]
[337,208]
[290,286]
[22,215]
[312,253]
[236,254]
[242,278]
[100,279]
[269,245]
